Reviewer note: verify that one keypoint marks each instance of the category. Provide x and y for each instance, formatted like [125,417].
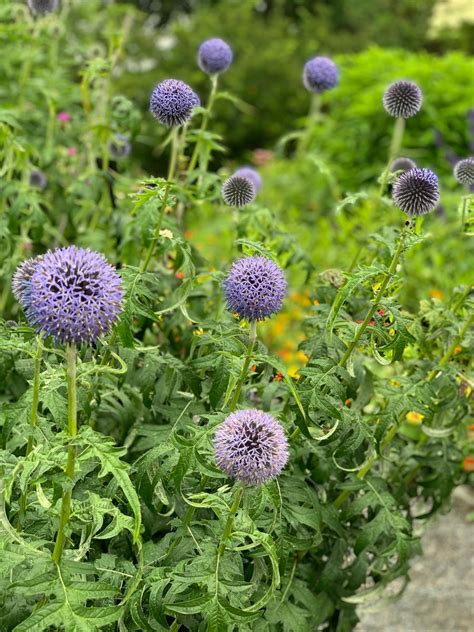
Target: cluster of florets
[38,179]
[416,192]
[251,174]
[172,102]
[464,171]
[70,293]
[214,56]
[402,164]
[238,191]
[255,288]
[119,146]
[251,447]
[41,7]
[320,74]
[402,99]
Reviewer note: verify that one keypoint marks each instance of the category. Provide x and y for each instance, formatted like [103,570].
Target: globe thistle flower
[238,191]
[416,192]
[254,288]
[402,99]
[251,174]
[22,278]
[214,56]
[464,171]
[172,102]
[41,7]
[402,164]
[320,74]
[251,447]
[120,146]
[70,293]
[38,179]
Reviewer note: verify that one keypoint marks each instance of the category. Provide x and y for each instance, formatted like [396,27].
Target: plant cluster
[161,468]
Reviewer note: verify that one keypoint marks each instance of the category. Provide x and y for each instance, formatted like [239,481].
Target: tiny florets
[70,293]
[416,192]
[402,164]
[464,171]
[255,288]
[119,146]
[402,99]
[40,7]
[250,446]
[38,179]
[238,191]
[214,56]
[320,74]
[251,174]
[22,278]
[172,102]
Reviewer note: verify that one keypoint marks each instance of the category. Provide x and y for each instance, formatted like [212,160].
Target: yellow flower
[435,293]
[414,418]
[457,349]
[394,383]
[376,287]
[293,371]
[198,332]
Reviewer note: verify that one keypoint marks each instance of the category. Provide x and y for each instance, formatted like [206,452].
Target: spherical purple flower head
[238,191]
[22,280]
[38,179]
[254,288]
[402,99]
[252,175]
[73,295]
[402,164]
[464,171]
[119,146]
[172,102]
[320,74]
[214,56]
[41,7]
[416,192]
[251,446]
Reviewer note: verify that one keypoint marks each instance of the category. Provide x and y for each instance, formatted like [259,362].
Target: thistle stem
[204,122]
[464,209]
[314,116]
[230,521]
[395,147]
[449,352]
[387,278]
[245,367]
[71,452]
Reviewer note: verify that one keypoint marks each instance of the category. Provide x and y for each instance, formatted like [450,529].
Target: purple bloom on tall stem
[255,288]
[70,293]
[416,192]
[251,447]
[172,102]
[214,56]
[320,74]
[402,99]
[251,174]
[238,191]
[464,171]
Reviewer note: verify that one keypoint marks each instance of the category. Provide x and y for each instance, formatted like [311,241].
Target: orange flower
[347,402]
[414,418]
[179,275]
[468,464]
[278,377]
[435,293]
[457,349]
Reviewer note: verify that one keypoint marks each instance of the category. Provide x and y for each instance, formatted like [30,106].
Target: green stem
[314,116]
[464,209]
[245,367]
[395,147]
[388,276]
[456,341]
[230,521]
[204,122]
[71,452]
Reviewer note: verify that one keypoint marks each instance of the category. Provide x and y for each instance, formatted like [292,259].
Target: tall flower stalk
[393,152]
[245,366]
[71,452]
[204,122]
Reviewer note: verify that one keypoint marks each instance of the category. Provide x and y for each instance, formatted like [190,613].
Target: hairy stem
[245,367]
[230,521]
[314,116]
[71,453]
[204,122]
[395,147]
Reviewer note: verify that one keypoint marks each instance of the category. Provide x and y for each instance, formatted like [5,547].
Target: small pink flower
[262,156]
[64,117]
[71,151]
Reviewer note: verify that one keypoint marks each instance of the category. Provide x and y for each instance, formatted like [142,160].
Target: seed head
[254,288]
[464,171]
[70,293]
[238,191]
[214,56]
[172,102]
[38,179]
[402,164]
[41,7]
[119,146]
[416,192]
[320,74]
[402,99]
[250,446]
[252,175]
